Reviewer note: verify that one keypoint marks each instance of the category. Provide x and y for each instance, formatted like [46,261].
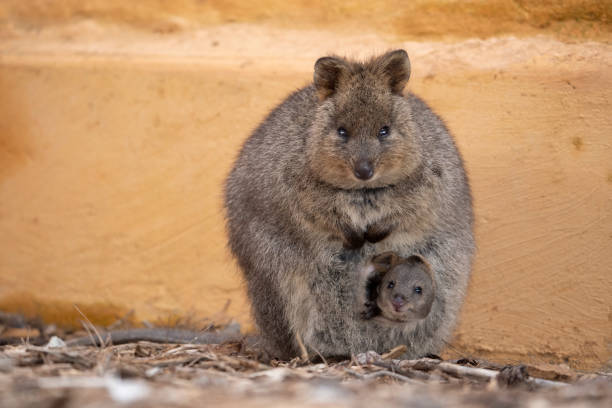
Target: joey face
[361,136]
[406,292]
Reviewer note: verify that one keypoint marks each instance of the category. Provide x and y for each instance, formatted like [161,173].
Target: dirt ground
[530,110]
[144,374]
[43,365]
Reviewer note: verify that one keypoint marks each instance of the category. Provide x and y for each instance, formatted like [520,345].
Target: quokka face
[362,136]
[407,291]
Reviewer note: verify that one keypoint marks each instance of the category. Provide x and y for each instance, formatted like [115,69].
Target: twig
[470,372]
[244,363]
[395,352]
[459,371]
[456,350]
[407,373]
[303,350]
[320,355]
[161,335]
[352,372]
[540,382]
[488,375]
[58,356]
[89,333]
[386,373]
[423,364]
[102,344]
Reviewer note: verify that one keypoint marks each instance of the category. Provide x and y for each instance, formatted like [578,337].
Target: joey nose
[363,170]
[398,302]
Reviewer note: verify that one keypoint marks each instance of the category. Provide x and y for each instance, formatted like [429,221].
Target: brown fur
[301,223]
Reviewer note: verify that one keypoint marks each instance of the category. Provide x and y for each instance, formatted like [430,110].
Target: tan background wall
[115,140]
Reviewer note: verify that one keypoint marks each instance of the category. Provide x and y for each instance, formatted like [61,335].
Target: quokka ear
[394,66]
[385,260]
[328,71]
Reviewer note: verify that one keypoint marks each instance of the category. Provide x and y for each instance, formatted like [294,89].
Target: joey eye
[391,285]
[383,132]
[342,132]
[418,290]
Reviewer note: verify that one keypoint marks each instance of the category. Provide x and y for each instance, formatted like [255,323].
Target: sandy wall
[398,19]
[114,144]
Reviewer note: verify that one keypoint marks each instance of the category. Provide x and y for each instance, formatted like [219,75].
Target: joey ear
[395,67]
[420,261]
[417,259]
[328,71]
[385,260]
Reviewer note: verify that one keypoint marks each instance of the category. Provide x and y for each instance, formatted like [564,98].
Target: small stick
[353,373]
[385,373]
[89,333]
[305,357]
[395,352]
[463,371]
[410,373]
[321,355]
[488,375]
[161,335]
[102,344]
[546,383]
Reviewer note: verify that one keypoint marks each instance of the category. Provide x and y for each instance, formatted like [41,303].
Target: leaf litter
[65,373]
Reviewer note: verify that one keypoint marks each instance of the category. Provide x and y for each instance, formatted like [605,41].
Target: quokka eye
[342,133]
[418,290]
[383,132]
[391,285]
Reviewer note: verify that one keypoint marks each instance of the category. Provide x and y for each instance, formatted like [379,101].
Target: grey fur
[301,224]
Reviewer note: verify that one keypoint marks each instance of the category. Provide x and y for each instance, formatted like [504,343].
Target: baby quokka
[395,290]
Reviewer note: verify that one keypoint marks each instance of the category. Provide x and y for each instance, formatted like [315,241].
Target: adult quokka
[343,169]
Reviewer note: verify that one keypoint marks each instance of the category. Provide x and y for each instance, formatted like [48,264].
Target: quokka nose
[363,170]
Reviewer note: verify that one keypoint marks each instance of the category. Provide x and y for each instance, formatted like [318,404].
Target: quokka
[343,169]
